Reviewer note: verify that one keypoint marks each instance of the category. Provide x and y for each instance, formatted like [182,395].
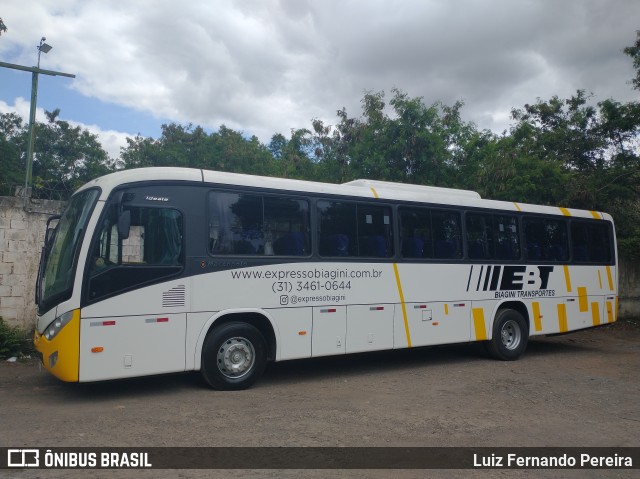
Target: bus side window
[375,231]
[286,223]
[235,223]
[479,236]
[253,224]
[447,235]
[337,228]
[153,250]
[505,229]
[590,242]
[415,233]
[546,239]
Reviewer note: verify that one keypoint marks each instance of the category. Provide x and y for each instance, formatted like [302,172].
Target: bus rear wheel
[234,356]
[510,335]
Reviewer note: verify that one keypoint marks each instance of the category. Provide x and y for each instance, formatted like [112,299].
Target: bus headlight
[54,328]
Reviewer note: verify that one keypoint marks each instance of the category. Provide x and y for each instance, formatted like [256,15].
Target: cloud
[266,66]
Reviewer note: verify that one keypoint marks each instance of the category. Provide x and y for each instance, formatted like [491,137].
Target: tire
[234,356]
[510,335]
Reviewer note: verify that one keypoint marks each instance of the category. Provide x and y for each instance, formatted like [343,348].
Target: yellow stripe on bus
[562,318]
[517,206]
[537,318]
[609,312]
[565,211]
[600,279]
[609,278]
[404,306]
[567,278]
[375,193]
[446,309]
[478,324]
[595,214]
[595,313]
[583,300]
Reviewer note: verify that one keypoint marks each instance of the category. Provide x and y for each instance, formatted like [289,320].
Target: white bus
[162,270]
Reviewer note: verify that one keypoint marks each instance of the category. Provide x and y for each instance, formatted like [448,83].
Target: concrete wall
[629,277]
[22,236]
[21,239]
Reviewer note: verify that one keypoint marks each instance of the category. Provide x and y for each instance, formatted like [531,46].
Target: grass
[14,341]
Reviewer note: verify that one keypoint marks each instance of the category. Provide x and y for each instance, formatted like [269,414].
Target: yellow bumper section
[61,355]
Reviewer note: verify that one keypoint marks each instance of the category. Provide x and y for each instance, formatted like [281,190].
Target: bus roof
[361,188]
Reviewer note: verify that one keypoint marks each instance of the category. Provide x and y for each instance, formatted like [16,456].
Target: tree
[13,138]
[634,52]
[411,142]
[66,158]
[191,147]
[3,27]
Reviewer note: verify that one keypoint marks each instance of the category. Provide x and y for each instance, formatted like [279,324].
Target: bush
[14,341]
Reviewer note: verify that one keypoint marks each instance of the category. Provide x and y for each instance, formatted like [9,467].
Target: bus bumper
[61,355]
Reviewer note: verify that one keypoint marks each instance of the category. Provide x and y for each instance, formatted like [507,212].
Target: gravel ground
[580,389]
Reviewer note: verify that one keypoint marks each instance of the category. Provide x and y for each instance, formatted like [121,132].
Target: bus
[162,270]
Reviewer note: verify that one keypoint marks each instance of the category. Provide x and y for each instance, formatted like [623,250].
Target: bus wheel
[510,335]
[233,356]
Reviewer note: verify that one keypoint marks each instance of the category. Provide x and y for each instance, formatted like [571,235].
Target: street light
[46,48]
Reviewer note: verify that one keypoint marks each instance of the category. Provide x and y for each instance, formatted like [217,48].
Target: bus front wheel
[234,356]
[510,335]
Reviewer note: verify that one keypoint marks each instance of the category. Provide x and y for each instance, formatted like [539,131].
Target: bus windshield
[58,258]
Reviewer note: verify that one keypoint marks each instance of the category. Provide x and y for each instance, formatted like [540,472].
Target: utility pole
[35,71]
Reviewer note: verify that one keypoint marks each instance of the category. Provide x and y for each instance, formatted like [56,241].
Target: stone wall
[22,236]
[21,239]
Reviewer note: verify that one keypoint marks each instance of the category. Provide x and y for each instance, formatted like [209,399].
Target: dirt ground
[580,389]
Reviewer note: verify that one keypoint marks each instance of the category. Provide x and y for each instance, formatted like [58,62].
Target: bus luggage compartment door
[329,330]
[128,346]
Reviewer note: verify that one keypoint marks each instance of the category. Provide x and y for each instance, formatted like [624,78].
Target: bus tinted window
[546,239]
[152,250]
[479,237]
[286,224]
[351,229]
[590,242]
[375,231]
[492,237]
[426,233]
[415,233]
[446,234]
[251,224]
[337,225]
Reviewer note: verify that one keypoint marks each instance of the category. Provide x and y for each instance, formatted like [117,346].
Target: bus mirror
[124,223]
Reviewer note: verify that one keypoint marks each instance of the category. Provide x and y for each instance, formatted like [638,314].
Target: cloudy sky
[267,66]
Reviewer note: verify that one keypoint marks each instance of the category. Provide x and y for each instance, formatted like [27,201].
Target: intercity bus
[161,270]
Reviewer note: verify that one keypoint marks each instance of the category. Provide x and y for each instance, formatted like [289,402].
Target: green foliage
[14,341]
[634,52]
[192,147]
[65,157]
[411,142]
[13,141]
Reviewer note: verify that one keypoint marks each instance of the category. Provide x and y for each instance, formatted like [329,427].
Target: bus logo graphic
[508,278]
[23,458]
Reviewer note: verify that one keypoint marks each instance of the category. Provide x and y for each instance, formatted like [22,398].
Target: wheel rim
[236,357]
[511,334]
